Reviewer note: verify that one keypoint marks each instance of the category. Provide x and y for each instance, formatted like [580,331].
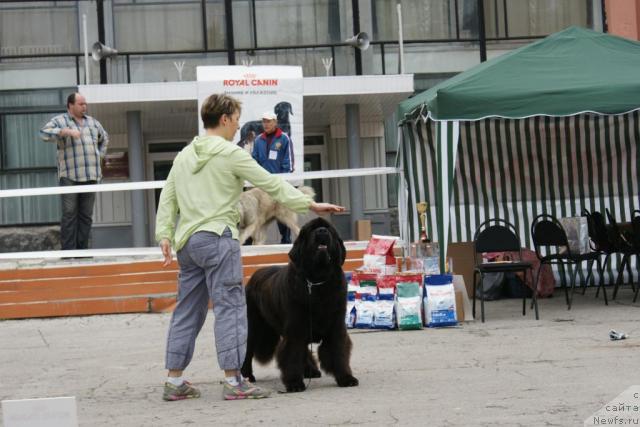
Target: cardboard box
[462,300]
[459,306]
[363,229]
[461,254]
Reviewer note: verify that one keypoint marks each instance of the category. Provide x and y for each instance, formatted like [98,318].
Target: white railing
[147,185]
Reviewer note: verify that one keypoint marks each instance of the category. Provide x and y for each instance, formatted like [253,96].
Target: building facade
[161,42]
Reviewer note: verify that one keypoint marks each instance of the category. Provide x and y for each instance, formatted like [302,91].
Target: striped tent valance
[516,169]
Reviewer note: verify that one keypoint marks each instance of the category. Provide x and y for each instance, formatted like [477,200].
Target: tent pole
[442,217]
[402,197]
[448,135]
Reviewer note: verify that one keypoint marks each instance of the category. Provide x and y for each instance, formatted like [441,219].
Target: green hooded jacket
[204,185]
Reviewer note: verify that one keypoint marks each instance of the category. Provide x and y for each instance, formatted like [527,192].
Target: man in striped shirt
[82,144]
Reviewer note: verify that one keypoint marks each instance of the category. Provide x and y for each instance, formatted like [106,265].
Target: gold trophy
[422,211]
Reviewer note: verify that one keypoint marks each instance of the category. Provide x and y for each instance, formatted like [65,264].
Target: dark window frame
[231,51]
[3,143]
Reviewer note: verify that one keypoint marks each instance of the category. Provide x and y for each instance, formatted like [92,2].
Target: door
[158,167]
[315,160]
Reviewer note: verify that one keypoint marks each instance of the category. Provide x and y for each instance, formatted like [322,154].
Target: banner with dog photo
[265,91]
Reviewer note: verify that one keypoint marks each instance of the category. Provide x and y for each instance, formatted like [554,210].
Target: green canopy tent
[550,127]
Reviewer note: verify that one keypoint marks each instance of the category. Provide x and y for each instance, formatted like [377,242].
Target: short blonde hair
[215,106]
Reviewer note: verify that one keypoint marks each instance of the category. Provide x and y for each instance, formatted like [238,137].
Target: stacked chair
[601,242]
[552,248]
[626,243]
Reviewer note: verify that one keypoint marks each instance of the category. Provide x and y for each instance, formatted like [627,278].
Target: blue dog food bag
[385,314]
[365,311]
[352,290]
[350,316]
[439,301]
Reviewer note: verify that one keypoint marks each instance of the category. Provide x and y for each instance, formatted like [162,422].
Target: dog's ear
[296,252]
[342,255]
[343,252]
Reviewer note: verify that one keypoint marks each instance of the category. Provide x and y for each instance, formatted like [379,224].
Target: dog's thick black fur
[284,316]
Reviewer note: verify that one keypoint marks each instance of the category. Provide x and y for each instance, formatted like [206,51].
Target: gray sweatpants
[210,267]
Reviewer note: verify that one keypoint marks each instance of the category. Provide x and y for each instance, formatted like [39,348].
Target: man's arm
[103,139]
[285,166]
[55,131]
[50,132]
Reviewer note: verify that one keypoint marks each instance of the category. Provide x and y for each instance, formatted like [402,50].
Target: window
[22,146]
[168,26]
[433,19]
[216,25]
[540,17]
[270,23]
[27,162]
[39,28]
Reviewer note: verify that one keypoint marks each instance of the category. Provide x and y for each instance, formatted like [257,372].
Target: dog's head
[318,246]
[283,109]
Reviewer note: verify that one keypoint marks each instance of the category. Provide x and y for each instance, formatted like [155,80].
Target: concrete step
[106,288]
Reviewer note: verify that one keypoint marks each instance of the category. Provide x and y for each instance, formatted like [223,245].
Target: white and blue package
[384,316]
[365,310]
[350,316]
[431,265]
[439,301]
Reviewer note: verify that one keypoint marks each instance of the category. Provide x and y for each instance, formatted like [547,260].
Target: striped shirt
[78,158]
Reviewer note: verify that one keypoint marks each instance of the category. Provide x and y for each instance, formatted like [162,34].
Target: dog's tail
[308,191]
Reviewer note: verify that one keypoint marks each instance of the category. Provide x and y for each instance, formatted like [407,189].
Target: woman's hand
[325,207]
[165,246]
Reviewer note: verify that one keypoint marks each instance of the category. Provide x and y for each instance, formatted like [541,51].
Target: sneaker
[244,390]
[184,391]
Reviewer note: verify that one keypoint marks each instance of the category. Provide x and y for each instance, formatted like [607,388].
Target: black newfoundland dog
[290,307]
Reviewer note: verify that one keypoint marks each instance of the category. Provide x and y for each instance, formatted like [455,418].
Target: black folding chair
[552,248]
[498,235]
[635,224]
[601,242]
[624,244]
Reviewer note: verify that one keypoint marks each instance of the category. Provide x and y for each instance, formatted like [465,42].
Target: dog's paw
[295,386]
[312,373]
[248,374]
[347,381]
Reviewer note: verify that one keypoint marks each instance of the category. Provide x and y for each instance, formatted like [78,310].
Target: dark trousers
[77,209]
[285,232]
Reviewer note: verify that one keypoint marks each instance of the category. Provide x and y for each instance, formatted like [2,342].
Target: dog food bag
[365,299]
[378,256]
[431,265]
[360,276]
[439,301]
[368,285]
[352,285]
[365,311]
[408,301]
[386,284]
[350,316]
[384,316]
[385,313]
